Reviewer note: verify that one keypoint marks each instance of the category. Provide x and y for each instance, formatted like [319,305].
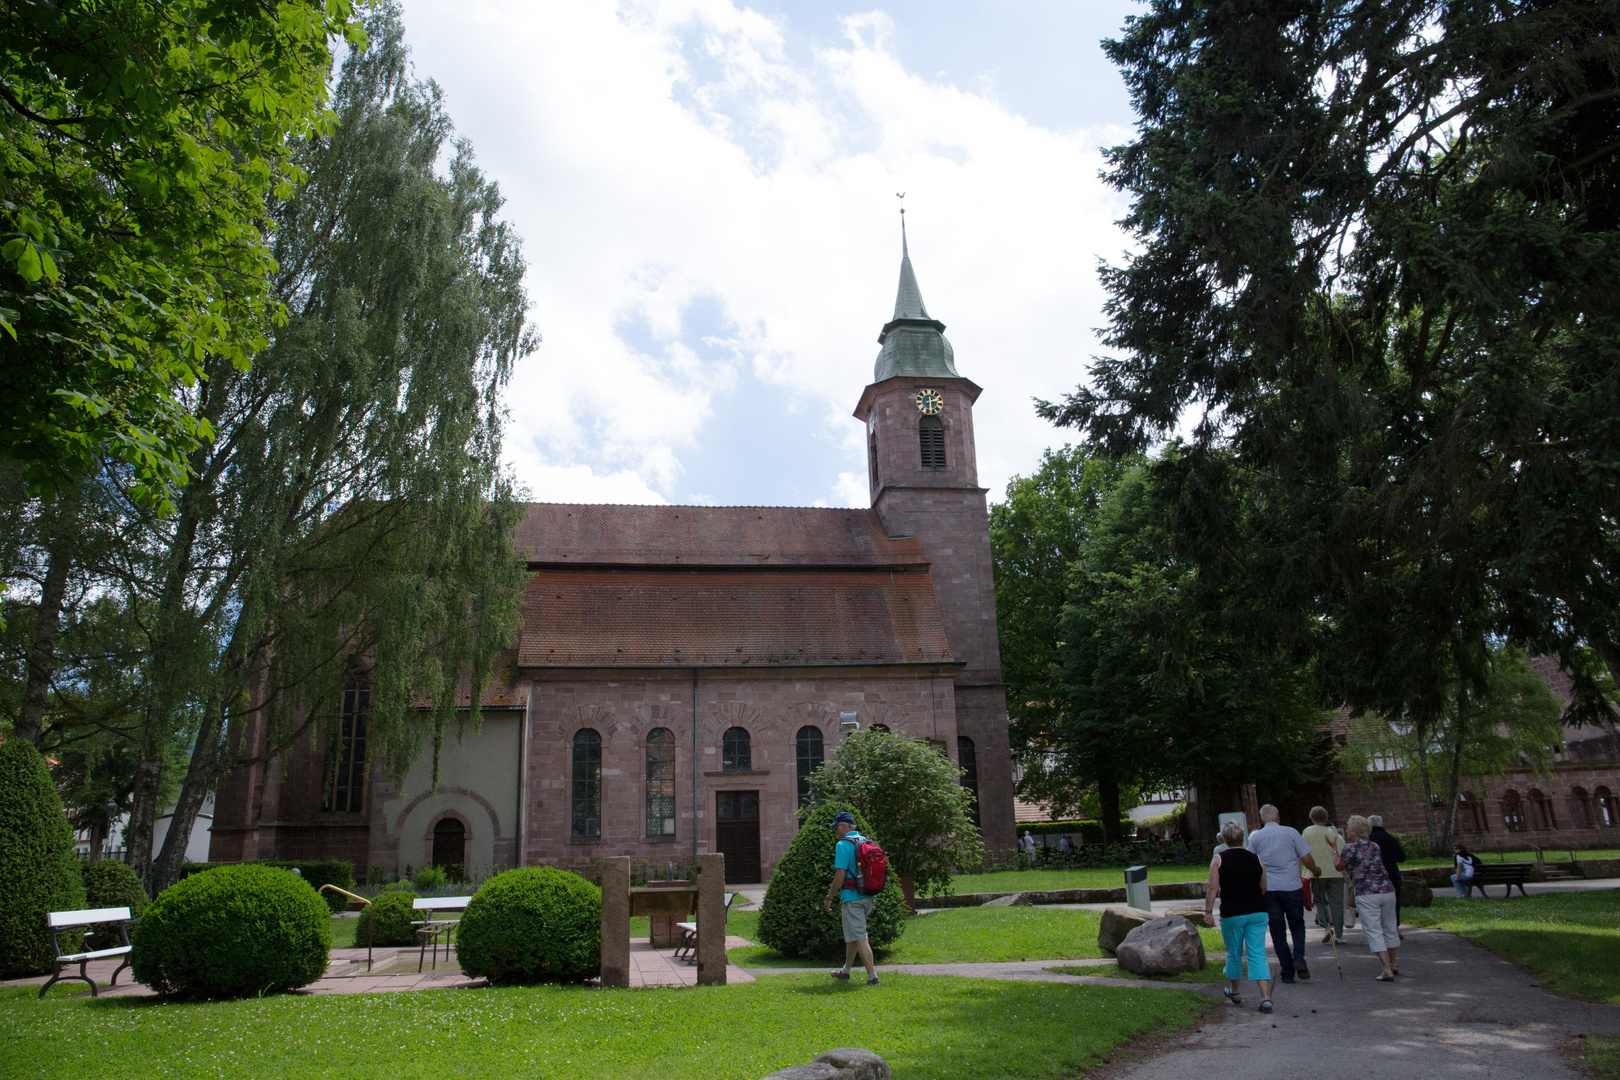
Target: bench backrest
[58,919]
[441,903]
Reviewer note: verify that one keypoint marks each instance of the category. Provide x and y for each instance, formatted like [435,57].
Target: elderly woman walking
[1238,878]
[1374,892]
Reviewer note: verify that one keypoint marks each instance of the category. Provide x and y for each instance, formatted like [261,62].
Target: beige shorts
[855,913]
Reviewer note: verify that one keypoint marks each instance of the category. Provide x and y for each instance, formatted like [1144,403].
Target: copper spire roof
[914,342]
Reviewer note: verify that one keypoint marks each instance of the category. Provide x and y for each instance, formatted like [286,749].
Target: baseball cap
[844,818]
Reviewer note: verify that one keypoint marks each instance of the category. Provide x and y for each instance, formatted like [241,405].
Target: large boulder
[1118,921]
[1167,946]
[1415,892]
[842,1064]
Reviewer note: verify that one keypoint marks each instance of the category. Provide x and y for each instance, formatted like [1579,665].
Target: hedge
[339,872]
[393,915]
[38,870]
[1090,829]
[109,883]
[532,924]
[791,919]
[233,931]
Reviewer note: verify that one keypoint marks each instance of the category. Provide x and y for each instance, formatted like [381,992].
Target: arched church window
[345,787]
[810,753]
[1580,808]
[587,801]
[736,750]
[1512,811]
[967,758]
[1470,813]
[1608,813]
[931,440]
[1544,817]
[661,782]
[450,848]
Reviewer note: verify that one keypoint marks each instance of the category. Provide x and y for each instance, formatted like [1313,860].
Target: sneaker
[871,980]
[1302,973]
[1265,1006]
[839,973]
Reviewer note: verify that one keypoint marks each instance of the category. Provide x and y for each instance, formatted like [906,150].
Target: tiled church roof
[736,618]
[561,534]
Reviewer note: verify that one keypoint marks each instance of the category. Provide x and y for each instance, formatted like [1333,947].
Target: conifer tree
[38,872]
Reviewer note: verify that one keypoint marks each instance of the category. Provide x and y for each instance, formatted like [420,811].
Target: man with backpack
[855,891]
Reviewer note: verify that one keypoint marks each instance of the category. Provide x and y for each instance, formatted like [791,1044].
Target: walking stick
[1335,940]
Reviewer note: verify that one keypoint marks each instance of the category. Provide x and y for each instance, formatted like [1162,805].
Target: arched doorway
[450,848]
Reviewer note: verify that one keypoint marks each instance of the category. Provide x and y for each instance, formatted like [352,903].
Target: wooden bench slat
[59,919]
[99,954]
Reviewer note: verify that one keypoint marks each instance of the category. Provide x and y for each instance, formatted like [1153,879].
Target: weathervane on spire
[902,197]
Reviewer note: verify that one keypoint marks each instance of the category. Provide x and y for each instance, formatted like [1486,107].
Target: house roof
[731,618]
[563,534]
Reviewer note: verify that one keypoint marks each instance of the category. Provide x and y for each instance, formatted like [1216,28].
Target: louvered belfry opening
[931,438]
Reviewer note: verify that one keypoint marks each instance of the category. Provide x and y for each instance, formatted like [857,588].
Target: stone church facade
[680,670]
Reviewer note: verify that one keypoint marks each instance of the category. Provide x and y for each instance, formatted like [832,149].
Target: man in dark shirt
[1393,854]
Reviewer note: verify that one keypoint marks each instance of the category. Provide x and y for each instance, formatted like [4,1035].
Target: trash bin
[1136,888]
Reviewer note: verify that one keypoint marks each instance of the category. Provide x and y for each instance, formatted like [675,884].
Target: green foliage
[109,883]
[533,924]
[38,871]
[339,872]
[1374,264]
[352,520]
[1570,941]
[791,919]
[233,931]
[391,915]
[139,146]
[429,878]
[1514,722]
[1089,829]
[912,795]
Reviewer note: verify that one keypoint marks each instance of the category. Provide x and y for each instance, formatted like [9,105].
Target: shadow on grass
[1575,961]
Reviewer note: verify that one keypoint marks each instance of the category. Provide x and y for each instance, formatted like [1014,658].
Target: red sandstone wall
[773,705]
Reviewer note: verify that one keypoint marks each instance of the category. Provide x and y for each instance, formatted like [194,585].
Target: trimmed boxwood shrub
[791,920]
[112,884]
[339,872]
[393,915]
[234,931]
[38,871]
[533,924]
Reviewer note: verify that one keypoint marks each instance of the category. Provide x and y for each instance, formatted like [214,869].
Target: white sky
[706,194]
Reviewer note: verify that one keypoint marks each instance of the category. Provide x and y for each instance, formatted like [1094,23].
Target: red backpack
[871,867]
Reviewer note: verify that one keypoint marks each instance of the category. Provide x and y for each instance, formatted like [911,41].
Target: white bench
[69,920]
[428,930]
[688,930]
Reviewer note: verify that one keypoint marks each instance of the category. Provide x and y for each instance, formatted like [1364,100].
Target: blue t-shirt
[1280,849]
[844,859]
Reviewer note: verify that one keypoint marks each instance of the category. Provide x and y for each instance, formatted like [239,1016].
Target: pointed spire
[914,342]
[908,301]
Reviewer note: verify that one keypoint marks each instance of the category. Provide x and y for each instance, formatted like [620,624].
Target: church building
[680,671]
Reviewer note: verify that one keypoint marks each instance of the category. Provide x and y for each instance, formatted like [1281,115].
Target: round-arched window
[736,750]
[809,752]
[587,794]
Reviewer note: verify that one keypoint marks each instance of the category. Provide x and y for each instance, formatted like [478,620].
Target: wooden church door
[737,835]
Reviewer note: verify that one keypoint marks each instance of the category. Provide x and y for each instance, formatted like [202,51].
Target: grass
[924,1027]
[1212,973]
[1601,1056]
[1571,941]
[964,936]
[1045,880]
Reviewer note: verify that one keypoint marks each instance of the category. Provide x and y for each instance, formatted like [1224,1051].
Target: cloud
[709,217]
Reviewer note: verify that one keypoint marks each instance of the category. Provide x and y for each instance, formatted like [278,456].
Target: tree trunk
[200,776]
[143,813]
[1108,797]
[1428,794]
[908,886]
[1459,735]
[42,645]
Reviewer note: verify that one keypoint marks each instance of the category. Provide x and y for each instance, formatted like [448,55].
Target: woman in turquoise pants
[1238,878]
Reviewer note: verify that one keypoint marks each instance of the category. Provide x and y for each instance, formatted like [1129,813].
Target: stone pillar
[711,920]
[616,921]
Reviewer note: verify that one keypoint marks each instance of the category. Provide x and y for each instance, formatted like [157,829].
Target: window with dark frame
[1512,811]
[931,440]
[587,795]
[810,752]
[345,788]
[661,782]
[967,758]
[736,750]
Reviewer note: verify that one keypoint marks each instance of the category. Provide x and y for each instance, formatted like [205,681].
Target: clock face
[929,402]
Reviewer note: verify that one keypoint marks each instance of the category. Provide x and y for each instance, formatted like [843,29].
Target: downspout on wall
[694,769]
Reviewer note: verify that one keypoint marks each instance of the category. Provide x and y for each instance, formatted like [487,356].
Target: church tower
[924,481]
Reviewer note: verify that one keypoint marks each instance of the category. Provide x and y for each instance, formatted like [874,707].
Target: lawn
[925,1027]
[1046,880]
[1571,941]
[963,936]
[1212,973]
[1602,1056]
